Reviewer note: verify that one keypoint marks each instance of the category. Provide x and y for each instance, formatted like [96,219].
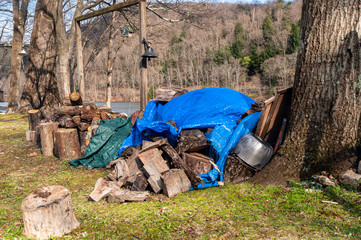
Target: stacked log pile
[65,131]
[158,167]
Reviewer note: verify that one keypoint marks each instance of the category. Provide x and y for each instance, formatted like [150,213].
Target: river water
[124,107]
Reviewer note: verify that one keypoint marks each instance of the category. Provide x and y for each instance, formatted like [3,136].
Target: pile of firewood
[158,167]
[65,131]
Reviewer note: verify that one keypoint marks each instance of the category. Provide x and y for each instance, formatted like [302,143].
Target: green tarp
[105,143]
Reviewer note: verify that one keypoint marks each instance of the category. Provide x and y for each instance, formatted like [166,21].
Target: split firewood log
[91,130]
[67,121]
[181,164]
[83,126]
[76,119]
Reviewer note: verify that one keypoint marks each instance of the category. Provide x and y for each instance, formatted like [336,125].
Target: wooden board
[279,110]
[264,115]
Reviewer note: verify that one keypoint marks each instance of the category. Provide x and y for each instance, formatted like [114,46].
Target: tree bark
[19,19]
[40,87]
[325,114]
[110,62]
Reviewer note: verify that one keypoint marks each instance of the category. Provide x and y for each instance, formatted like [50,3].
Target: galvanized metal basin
[254,151]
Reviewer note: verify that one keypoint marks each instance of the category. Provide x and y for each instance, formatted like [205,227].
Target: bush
[175,40]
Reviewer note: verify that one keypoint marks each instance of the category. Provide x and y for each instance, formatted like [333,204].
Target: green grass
[239,211]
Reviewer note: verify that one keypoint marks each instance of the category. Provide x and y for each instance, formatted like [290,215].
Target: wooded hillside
[246,47]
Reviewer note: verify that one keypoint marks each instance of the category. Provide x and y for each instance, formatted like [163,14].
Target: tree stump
[47,137]
[48,212]
[67,143]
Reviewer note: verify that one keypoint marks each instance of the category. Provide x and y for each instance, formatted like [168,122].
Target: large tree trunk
[65,46]
[40,87]
[323,131]
[19,19]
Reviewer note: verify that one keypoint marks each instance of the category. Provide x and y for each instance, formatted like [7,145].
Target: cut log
[77,119]
[235,171]
[146,144]
[67,142]
[47,137]
[154,185]
[89,114]
[114,193]
[34,117]
[31,136]
[134,166]
[154,177]
[129,151]
[154,156]
[121,115]
[91,131]
[155,144]
[90,105]
[82,142]
[66,121]
[100,191]
[122,170]
[191,140]
[120,173]
[167,94]
[200,164]
[75,99]
[68,110]
[48,212]
[48,114]
[256,107]
[66,101]
[140,183]
[121,195]
[82,126]
[175,182]
[178,162]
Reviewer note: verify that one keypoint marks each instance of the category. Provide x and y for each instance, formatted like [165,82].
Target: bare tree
[20,11]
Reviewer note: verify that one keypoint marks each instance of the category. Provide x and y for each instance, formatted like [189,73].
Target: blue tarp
[218,108]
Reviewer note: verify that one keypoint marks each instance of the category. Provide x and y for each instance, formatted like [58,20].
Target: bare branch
[166,19]
[5,10]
